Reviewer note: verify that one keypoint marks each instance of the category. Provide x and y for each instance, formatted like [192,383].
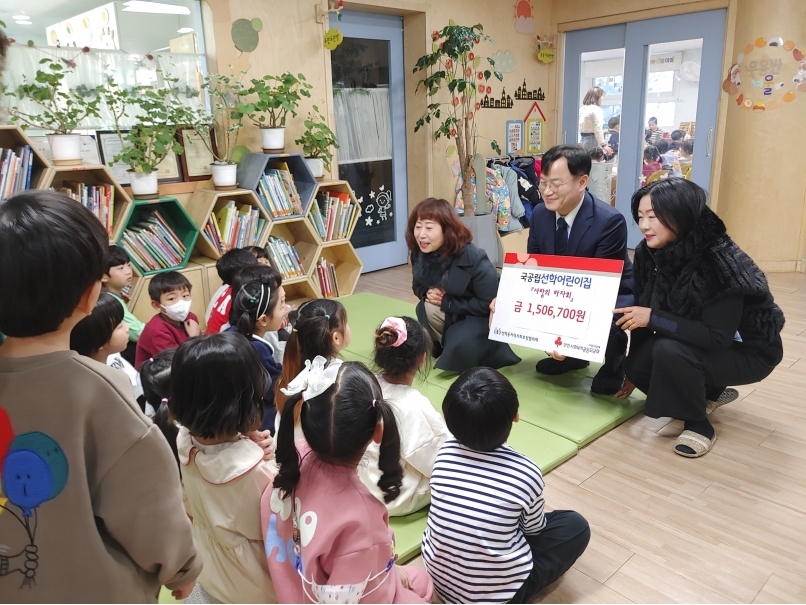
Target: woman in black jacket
[706,317]
[455,282]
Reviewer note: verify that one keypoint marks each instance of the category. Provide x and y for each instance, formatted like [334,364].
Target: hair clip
[314,379]
[373,403]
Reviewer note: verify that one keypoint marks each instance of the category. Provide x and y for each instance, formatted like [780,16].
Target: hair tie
[328,316]
[399,326]
[164,400]
[373,403]
[314,379]
[151,359]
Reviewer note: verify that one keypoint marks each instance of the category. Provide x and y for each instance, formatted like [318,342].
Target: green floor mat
[408,534]
[365,312]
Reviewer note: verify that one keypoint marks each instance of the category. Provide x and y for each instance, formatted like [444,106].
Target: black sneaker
[552,367]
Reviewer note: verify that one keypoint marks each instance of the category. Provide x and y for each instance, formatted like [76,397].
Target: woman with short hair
[704,315]
[591,119]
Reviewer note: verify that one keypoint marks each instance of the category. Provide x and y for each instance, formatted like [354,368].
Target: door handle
[709,142]
[564,137]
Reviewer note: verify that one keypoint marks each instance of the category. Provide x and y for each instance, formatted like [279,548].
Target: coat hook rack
[333,6]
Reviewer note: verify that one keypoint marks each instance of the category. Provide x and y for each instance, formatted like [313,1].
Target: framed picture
[198,158]
[168,171]
[514,138]
[534,135]
[89,148]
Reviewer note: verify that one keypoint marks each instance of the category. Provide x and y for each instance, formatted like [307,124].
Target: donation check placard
[557,303]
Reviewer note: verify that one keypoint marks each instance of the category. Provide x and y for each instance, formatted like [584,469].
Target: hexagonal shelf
[298,290]
[11,137]
[339,258]
[253,167]
[299,234]
[80,180]
[140,302]
[158,235]
[334,211]
[212,243]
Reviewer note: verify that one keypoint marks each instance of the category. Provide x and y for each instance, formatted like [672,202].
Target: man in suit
[571,222]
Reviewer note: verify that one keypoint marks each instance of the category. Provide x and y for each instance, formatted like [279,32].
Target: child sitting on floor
[217,314]
[327,537]
[174,323]
[155,376]
[117,278]
[486,520]
[321,329]
[217,387]
[260,254]
[402,350]
[103,335]
[651,162]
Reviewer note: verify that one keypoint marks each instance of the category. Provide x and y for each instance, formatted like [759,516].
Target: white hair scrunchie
[315,379]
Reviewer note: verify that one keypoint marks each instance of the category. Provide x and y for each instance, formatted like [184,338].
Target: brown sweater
[94,509]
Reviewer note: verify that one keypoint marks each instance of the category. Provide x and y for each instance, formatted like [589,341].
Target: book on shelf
[278,194]
[98,199]
[283,256]
[333,214]
[328,282]
[231,227]
[15,170]
[152,244]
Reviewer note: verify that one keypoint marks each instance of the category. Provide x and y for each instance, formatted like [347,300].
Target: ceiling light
[21,16]
[24,23]
[185,30]
[140,6]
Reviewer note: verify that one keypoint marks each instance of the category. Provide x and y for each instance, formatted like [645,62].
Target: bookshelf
[207,202]
[12,136]
[58,177]
[140,302]
[254,165]
[336,187]
[174,216]
[300,234]
[348,266]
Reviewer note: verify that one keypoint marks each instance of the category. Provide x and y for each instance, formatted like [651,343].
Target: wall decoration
[504,61]
[514,138]
[505,102]
[523,94]
[534,129]
[245,34]
[524,23]
[545,48]
[96,28]
[768,74]
[333,37]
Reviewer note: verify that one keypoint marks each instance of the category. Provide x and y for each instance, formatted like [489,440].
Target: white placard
[557,303]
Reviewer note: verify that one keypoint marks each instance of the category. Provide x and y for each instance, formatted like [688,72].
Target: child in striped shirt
[488,538]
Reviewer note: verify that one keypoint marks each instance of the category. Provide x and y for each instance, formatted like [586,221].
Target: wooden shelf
[336,186]
[12,136]
[298,290]
[254,165]
[348,266]
[140,305]
[300,234]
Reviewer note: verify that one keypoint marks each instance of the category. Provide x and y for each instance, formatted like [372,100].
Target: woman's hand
[626,389]
[555,355]
[265,441]
[434,296]
[492,312]
[633,317]
[180,594]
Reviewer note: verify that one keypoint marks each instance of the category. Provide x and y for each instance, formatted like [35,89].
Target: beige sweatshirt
[91,493]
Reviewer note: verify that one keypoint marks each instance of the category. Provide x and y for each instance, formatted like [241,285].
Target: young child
[327,537]
[174,323]
[651,161]
[613,125]
[155,376]
[503,540]
[103,494]
[260,254]
[257,311]
[402,350]
[217,387]
[320,328]
[677,139]
[103,335]
[597,154]
[118,276]
[227,266]
[668,159]
[686,152]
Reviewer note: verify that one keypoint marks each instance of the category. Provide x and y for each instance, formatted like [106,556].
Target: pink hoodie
[345,538]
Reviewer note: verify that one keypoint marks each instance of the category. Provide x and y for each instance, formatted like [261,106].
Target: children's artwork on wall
[504,61]
[246,34]
[522,93]
[545,48]
[333,37]
[514,139]
[534,129]
[524,22]
[766,75]
[504,102]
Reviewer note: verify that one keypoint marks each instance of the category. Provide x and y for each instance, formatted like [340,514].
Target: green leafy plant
[225,119]
[277,96]
[318,139]
[454,68]
[59,110]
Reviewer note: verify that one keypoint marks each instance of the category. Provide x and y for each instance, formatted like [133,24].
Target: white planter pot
[144,185]
[225,176]
[273,139]
[316,166]
[65,149]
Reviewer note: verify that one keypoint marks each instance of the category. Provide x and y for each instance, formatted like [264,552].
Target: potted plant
[277,96]
[59,110]
[454,67]
[224,122]
[316,142]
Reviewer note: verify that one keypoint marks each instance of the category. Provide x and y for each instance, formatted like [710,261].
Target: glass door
[369,108]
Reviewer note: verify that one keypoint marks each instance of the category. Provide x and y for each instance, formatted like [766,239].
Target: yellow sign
[546,55]
[333,38]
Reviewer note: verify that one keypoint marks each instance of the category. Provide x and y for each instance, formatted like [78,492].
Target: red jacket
[159,335]
[220,312]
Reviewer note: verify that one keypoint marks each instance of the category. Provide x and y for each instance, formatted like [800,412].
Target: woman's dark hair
[593,96]
[258,252]
[253,275]
[662,145]
[312,335]
[338,426]
[479,409]
[233,261]
[651,153]
[169,281]
[95,330]
[398,361]
[155,377]
[217,386]
[456,235]
[677,204]
[579,162]
[47,235]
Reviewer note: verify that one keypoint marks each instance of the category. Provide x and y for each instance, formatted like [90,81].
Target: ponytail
[286,451]
[389,458]
[164,422]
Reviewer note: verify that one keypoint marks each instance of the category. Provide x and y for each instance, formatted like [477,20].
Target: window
[660,82]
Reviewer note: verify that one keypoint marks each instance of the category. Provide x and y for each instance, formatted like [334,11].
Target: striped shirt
[482,505]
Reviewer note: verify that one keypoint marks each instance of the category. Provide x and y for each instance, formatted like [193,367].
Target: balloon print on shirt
[307,527]
[33,470]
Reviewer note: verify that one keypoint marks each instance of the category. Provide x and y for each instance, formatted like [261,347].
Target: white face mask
[177,311]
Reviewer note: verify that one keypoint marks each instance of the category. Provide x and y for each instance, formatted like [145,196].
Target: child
[651,161]
[503,540]
[174,323]
[677,139]
[320,328]
[686,152]
[257,310]
[110,525]
[103,335]
[260,254]
[402,350]
[327,537]
[155,376]
[668,159]
[613,125]
[117,277]
[276,338]
[227,266]
[217,387]
[597,154]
